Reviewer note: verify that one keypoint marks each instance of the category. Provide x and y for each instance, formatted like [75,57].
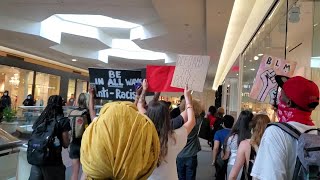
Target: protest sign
[191,70]
[115,84]
[159,79]
[264,88]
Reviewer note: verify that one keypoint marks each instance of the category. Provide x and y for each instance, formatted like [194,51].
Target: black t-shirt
[175,112]
[177,122]
[62,126]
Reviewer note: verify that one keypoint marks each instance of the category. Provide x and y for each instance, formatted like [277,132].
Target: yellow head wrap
[120,144]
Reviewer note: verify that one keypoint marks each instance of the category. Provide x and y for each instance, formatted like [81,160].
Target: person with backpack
[219,139]
[80,119]
[248,148]
[50,134]
[286,151]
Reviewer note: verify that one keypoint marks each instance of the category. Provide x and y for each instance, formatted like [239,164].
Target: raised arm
[142,99]
[91,104]
[138,94]
[189,109]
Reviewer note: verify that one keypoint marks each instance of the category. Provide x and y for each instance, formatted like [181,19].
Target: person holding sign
[171,141]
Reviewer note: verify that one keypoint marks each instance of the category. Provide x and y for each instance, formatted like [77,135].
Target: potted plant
[9,124]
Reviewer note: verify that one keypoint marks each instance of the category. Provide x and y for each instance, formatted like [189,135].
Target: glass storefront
[46,85]
[291,31]
[18,82]
[71,89]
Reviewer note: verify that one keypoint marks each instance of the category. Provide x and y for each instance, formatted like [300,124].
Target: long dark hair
[241,128]
[158,112]
[53,109]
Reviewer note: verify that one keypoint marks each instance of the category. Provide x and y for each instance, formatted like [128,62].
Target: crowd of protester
[143,140]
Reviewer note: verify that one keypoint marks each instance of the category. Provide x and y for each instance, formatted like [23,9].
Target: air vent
[15,57]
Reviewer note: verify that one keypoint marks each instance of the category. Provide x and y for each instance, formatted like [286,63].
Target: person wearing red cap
[277,153]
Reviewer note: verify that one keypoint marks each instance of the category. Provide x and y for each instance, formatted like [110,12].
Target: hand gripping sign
[265,87]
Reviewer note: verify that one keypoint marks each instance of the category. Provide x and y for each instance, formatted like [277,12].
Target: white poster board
[191,70]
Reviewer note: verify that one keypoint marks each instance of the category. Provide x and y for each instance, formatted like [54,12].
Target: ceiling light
[252,69]
[237,74]
[256,58]
[244,66]
[74,60]
[250,60]
[260,54]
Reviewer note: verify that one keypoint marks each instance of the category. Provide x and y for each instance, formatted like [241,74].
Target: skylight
[97,21]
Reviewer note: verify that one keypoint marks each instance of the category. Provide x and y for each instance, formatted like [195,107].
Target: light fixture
[250,60]
[256,58]
[260,54]
[252,69]
[315,25]
[74,60]
[237,74]
[14,80]
[244,66]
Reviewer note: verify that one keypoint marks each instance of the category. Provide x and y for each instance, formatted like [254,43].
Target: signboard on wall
[264,88]
[114,84]
[191,70]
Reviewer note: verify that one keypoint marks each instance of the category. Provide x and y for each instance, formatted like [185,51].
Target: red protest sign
[159,79]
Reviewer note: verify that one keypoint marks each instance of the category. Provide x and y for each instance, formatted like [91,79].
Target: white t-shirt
[276,157]
[232,146]
[168,167]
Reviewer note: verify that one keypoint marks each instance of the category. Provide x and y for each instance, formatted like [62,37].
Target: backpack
[41,144]
[307,165]
[79,121]
[204,129]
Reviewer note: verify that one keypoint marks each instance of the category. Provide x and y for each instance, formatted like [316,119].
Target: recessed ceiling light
[244,66]
[74,60]
[237,74]
[250,60]
[260,54]
[252,69]
[256,58]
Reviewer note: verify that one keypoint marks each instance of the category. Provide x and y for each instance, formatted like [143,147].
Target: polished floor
[205,170]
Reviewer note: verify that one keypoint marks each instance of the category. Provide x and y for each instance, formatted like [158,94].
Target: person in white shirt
[276,157]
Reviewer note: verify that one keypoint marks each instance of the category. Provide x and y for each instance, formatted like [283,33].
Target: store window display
[71,90]
[18,82]
[46,85]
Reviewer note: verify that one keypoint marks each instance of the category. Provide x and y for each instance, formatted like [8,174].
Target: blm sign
[113,84]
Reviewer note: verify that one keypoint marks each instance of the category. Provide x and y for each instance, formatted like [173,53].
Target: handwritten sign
[264,88]
[115,84]
[191,70]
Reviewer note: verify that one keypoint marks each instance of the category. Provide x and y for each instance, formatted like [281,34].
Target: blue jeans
[187,168]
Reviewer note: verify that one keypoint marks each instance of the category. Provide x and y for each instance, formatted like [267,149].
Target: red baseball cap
[303,92]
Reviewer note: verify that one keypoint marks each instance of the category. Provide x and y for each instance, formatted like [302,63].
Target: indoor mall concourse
[159,89]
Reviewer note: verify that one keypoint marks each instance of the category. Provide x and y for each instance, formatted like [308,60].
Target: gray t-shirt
[193,144]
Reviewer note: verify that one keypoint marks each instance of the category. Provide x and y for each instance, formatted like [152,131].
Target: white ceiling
[195,27]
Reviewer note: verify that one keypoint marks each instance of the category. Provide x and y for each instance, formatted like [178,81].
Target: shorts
[75,149]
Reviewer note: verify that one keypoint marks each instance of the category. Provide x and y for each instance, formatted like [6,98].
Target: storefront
[290,31]
[22,78]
